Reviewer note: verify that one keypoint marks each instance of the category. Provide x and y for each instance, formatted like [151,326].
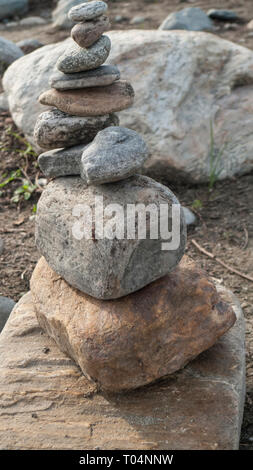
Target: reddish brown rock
[95,101]
[85,34]
[129,342]
[47,403]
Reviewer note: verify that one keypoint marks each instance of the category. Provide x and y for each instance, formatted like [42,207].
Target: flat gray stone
[76,59]
[97,261]
[55,129]
[115,154]
[102,76]
[9,52]
[199,407]
[61,162]
[191,19]
[6,306]
[87,11]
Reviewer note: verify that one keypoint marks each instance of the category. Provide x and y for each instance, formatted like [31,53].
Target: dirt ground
[224,215]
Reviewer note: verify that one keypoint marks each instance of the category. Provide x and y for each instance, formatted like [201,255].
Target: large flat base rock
[46,402]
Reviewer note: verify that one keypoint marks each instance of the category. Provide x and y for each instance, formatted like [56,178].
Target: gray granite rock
[77,59]
[55,129]
[115,154]
[223,15]
[87,11]
[10,8]
[9,52]
[6,306]
[192,19]
[94,259]
[61,162]
[60,13]
[29,45]
[102,76]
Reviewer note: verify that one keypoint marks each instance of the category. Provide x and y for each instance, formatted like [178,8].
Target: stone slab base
[46,402]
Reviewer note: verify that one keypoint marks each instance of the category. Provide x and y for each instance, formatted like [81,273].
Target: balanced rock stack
[85,94]
[125,306]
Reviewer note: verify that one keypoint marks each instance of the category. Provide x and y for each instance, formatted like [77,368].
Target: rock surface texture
[61,162]
[182,81]
[95,101]
[58,408]
[88,11]
[6,306]
[102,76]
[115,154]
[133,341]
[55,129]
[102,267]
[77,59]
[85,34]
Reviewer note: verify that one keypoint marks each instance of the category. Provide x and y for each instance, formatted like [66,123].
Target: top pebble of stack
[86,12]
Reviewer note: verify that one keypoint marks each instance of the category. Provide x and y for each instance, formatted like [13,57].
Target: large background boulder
[185,83]
[9,8]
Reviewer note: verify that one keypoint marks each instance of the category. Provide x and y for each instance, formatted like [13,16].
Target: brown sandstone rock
[95,101]
[129,342]
[85,34]
[47,403]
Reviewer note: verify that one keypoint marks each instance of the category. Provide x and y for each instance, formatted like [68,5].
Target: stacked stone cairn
[126,309]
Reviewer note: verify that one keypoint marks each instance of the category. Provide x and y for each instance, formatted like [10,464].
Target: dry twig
[218,260]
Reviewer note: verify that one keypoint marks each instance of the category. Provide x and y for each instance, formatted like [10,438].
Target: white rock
[183,81]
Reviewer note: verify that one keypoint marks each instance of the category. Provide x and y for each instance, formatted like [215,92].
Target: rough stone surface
[54,406]
[115,154]
[95,101]
[182,80]
[99,266]
[6,306]
[85,34]
[9,8]
[76,59]
[55,129]
[102,76]
[87,11]
[61,162]
[60,13]
[127,343]
[29,45]
[9,52]
[192,19]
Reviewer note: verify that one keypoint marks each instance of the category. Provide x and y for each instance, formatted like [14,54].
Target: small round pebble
[87,11]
